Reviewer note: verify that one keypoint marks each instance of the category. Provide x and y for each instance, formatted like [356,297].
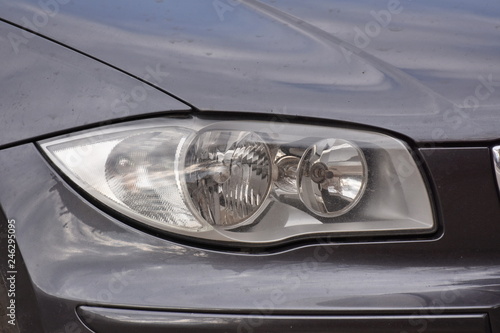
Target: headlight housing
[248,182]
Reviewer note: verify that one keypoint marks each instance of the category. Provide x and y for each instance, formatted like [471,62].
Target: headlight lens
[248,182]
[228,176]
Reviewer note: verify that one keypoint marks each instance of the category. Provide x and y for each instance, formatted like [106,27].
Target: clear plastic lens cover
[252,182]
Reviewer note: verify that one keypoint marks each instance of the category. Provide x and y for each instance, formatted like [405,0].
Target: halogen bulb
[332,177]
[287,173]
[228,176]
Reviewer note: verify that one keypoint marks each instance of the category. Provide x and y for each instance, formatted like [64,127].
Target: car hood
[429,70]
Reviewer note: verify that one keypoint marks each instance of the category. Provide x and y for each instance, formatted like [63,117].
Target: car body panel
[47,88]
[251,57]
[130,321]
[446,45]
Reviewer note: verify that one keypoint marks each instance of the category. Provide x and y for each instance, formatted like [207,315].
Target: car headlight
[248,182]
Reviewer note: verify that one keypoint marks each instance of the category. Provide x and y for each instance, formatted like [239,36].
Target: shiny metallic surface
[332,177]
[51,88]
[425,66]
[228,176]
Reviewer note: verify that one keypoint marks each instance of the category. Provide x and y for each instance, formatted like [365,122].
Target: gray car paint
[423,68]
[48,88]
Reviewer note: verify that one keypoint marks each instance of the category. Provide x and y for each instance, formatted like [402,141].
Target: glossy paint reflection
[239,53]
[261,60]
[252,57]
[444,44]
[47,88]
